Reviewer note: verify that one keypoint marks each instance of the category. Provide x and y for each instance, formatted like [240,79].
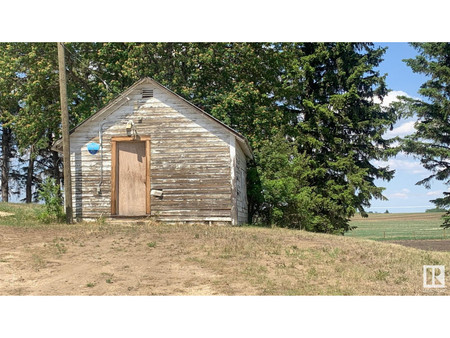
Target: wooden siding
[190,159]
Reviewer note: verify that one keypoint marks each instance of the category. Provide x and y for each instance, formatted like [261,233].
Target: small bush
[50,193]
[381,275]
[101,220]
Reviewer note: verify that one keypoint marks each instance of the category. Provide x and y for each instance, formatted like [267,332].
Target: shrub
[50,193]
[289,184]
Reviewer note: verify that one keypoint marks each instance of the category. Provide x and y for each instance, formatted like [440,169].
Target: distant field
[399,226]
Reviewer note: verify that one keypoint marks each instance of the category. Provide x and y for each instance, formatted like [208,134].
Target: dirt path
[59,262]
[429,244]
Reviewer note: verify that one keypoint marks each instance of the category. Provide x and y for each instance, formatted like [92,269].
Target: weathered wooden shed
[152,153]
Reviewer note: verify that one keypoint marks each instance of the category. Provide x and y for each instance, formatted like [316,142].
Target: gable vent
[147,93]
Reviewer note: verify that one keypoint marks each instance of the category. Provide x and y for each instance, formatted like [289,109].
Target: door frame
[114,170]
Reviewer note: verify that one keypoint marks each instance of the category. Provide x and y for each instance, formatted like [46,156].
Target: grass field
[406,226]
[19,214]
[151,258]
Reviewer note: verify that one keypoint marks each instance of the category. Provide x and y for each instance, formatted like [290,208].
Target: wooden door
[132,182]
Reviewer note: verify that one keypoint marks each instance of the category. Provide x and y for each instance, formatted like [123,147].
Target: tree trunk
[29,184]
[6,153]
[55,170]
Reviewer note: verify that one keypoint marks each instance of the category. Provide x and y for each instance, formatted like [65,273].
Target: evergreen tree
[431,139]
[327,93]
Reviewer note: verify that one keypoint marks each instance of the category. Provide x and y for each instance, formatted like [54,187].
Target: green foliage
[318,172]
[286,195]
[290,199]
[50,193]
[30,107]
[431,139]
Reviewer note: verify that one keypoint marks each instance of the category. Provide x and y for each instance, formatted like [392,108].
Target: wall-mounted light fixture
[131,129]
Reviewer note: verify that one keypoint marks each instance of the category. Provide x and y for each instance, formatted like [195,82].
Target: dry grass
[5,214]
[158,259]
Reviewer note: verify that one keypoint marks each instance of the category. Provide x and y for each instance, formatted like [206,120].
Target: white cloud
[390,97]
[407,127]
[404,129]
[400,195]
[434,193]
[413,167]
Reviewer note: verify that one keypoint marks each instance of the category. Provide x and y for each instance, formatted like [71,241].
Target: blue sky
[403,194]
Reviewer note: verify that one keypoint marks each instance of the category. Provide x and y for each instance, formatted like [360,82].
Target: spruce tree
[431,139]
[327,96]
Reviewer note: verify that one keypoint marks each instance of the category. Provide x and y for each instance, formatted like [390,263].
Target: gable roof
[122,98]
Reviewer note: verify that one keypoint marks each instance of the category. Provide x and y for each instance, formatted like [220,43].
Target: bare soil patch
[432,245]
[94,261]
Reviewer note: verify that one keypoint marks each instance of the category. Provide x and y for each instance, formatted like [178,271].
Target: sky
[402,192]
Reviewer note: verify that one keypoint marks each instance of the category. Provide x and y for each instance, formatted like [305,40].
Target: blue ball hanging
[93,148]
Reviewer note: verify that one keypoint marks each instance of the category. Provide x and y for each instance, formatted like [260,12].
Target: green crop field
[399,226]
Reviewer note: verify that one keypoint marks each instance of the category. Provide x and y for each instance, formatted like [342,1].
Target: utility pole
[65,134]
